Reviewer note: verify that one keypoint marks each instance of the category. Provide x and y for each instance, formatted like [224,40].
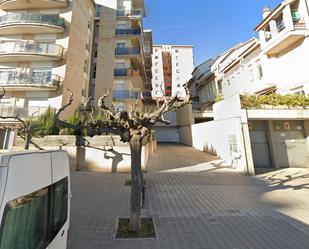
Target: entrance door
[259,145]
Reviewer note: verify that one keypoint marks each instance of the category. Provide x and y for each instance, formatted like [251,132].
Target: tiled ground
[197,203]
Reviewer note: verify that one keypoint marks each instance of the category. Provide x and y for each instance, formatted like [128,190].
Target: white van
[34,200]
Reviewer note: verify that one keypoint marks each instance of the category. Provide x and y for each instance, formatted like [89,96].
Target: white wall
[214,136]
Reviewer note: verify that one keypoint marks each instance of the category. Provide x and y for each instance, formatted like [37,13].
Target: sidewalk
[195,205]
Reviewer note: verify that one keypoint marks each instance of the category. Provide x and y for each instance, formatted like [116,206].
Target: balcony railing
[135,13]
[127,51]
[126,72]
[32,79]
[131,95]
[281,26]
[24,112]
[31,18]
[128,32]
[126,94]
[30,47]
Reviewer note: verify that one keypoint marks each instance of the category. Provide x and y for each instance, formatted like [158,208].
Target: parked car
[34,200]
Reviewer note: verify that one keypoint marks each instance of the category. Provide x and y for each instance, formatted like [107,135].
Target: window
[295,15]
[41,215]
[260,71]
[121,45]
[178,85]
[156,57]
[177,71]
[220,86]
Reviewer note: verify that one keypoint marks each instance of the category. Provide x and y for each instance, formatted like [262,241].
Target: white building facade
[172,66]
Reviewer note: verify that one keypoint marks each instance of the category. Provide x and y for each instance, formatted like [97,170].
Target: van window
[60,206]
[34,220]
[25,220]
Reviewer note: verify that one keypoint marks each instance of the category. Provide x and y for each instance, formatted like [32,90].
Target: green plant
[257,101]
[75,120]
[219,98]
[45,124]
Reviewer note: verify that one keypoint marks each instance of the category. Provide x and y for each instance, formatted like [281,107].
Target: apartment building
[45,47]
[283,35]
[274,64]
[172,68]
[121,54]
[208,80]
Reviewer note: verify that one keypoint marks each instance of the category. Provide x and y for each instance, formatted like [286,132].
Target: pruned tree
[133,127]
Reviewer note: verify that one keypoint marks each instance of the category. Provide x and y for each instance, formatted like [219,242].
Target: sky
[210,26]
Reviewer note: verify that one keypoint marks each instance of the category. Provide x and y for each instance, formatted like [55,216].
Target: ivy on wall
[260,101]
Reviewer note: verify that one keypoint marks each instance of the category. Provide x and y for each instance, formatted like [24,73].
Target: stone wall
[102,154]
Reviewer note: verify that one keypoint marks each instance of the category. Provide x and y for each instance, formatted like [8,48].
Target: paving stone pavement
[197,203]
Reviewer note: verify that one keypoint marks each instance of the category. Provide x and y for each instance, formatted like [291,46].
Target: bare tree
[133,127]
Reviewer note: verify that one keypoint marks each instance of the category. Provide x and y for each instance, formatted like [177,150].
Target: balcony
[126,95]
[31,23]
[15,81]
[128,52]
[30,51]
[32,4]
[127,72]
[128,32]
[24,112]
[129,13]
[131,95]
[283,32]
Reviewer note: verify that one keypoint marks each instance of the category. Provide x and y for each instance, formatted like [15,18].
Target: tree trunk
[136,188]
[28,140]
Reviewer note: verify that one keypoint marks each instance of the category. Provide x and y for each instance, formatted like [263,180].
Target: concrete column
[273,28]
[262,38]
[287,18]
[306,126]
[271,140]
[248,150]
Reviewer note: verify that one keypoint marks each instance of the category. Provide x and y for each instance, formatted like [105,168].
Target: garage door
[259,144]
[167,134]
[290,144]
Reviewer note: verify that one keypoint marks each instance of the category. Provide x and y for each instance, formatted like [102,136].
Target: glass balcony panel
[23,112]
[128,51]
[39,48]
[126,95]
[32,4]
[131,31]
[42,78]
[32,18]
[122,13]
[126,72]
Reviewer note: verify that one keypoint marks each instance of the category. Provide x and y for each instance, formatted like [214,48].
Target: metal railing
[122,13]
[31,47]
[131,95]
[35,79]
[126,32]
[281,26]
[124,72]
[23,112]
[127,51]
[32,18]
